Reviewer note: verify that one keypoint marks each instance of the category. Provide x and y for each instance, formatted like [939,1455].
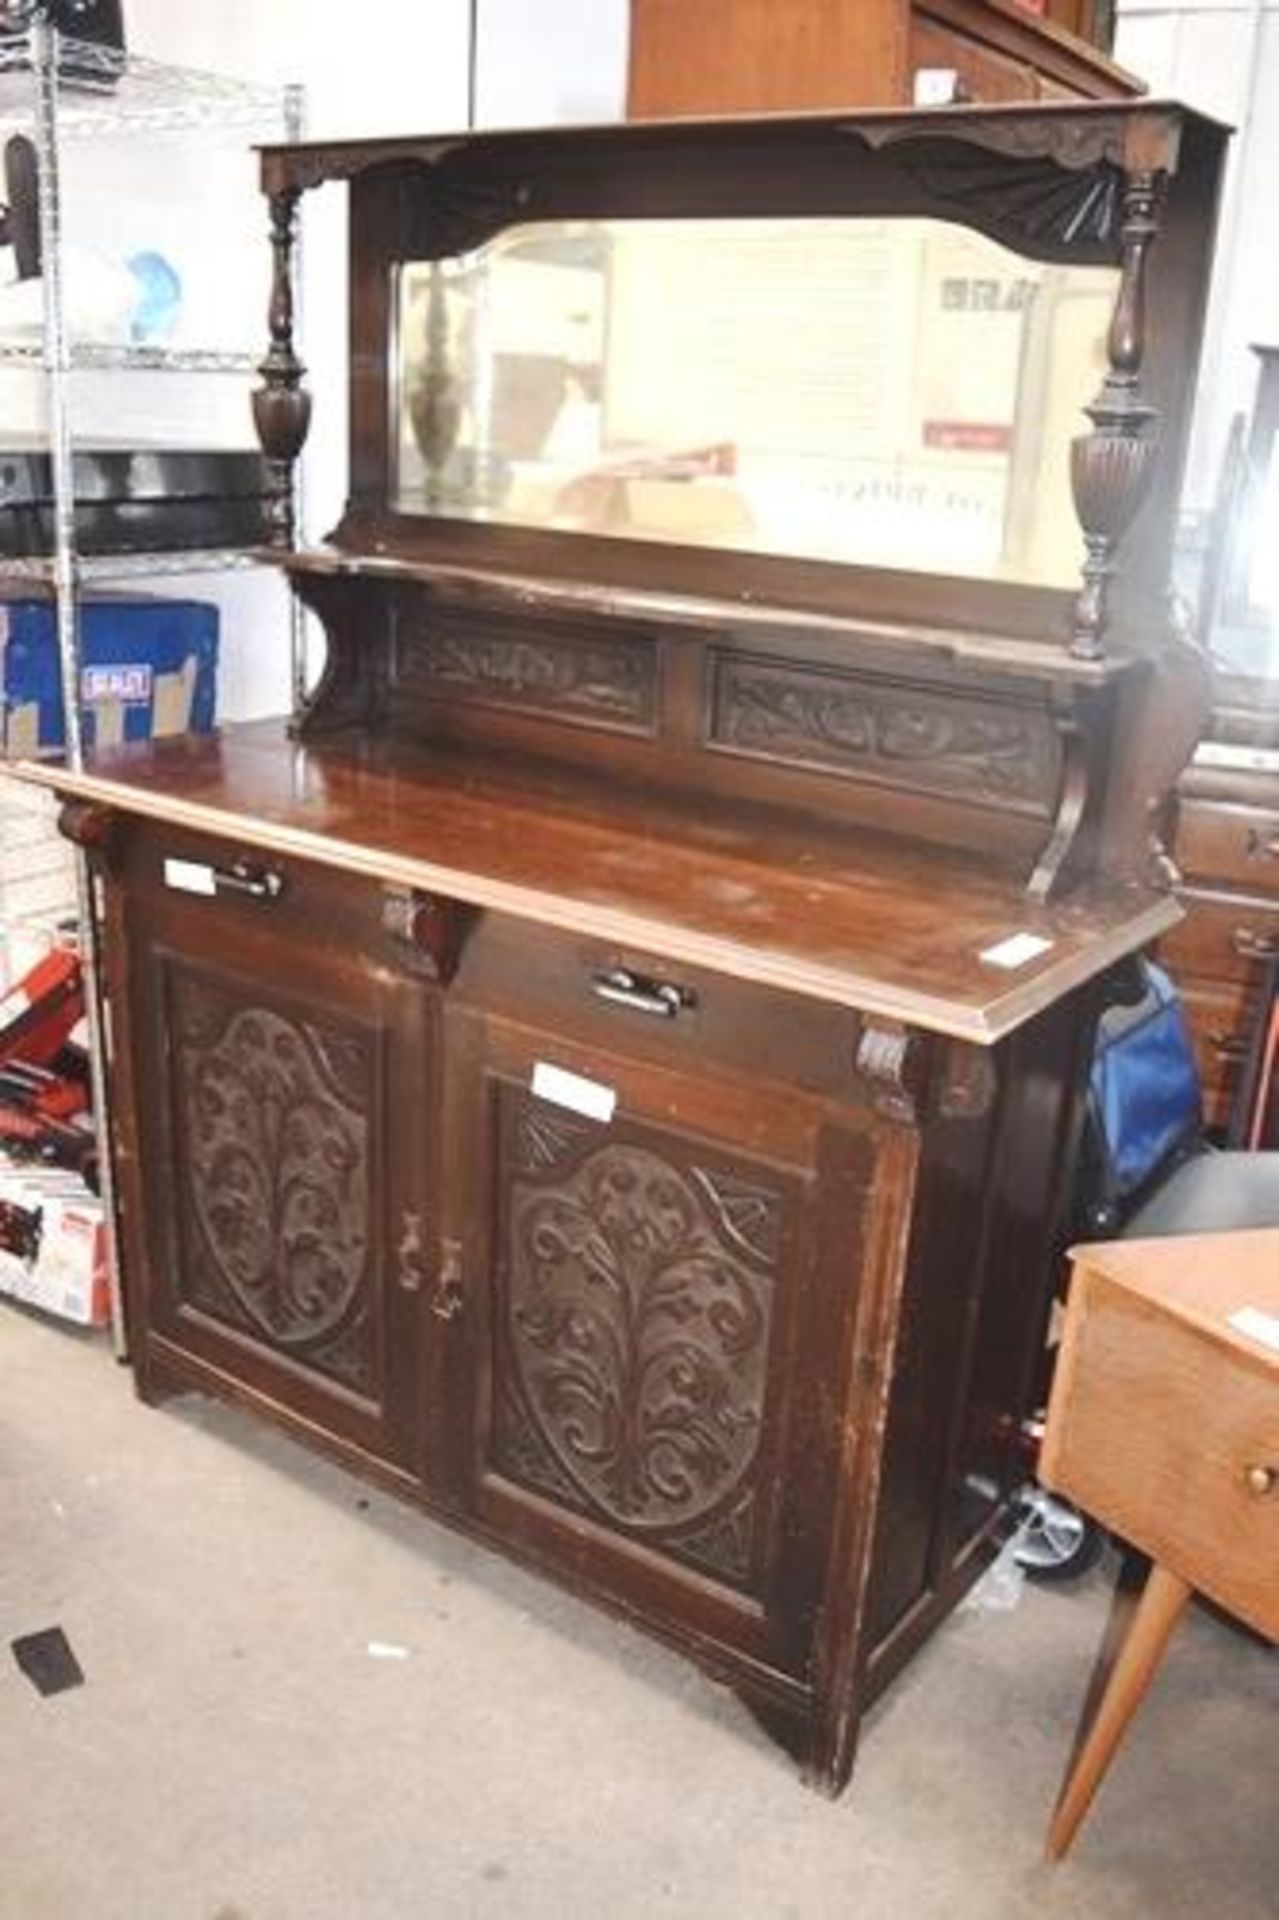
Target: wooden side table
[1164,1425]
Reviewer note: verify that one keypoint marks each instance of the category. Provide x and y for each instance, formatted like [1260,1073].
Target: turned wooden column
[282,406]
[1110,467]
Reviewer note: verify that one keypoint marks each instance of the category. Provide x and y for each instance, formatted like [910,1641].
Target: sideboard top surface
[871,921]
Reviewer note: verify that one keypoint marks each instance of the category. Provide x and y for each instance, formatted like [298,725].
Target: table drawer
[1229,845]
[1224,937]
[1170,1436]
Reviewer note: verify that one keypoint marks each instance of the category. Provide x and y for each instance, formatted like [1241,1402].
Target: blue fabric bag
[1144,1106]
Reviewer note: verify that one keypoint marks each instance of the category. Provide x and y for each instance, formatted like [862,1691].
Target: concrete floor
[236,1754]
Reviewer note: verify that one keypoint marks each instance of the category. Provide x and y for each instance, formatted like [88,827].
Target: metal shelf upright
[58,89]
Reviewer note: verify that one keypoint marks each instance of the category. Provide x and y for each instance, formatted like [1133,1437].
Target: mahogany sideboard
[608,1067]
[756,56]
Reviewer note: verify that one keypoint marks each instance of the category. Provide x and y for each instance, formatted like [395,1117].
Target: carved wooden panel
[887,732]
[637,1282]
[1061,193]
[274,1112]
[546,668]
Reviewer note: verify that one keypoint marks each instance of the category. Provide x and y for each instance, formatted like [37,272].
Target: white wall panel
[540,61]
[1222,56]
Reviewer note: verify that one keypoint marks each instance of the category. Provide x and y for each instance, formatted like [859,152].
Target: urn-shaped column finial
[1110,466]
[281,405]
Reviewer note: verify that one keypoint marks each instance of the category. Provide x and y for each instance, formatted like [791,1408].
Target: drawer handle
[1262,1480]
[622,988]
[258,883]
[1228,1046]
[1253,946]
[1262,849]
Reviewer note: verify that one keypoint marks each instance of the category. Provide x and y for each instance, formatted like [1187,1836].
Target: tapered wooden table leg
[1158,1611]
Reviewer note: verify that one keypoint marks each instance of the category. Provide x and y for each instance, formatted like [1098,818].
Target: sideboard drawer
[234,892]
[612,996]
[1224,937]
[1229,845]
[232,882]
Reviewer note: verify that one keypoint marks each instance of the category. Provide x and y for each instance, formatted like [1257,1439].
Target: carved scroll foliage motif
[640,1298]
[275,1174]
[919,740]
[611,682]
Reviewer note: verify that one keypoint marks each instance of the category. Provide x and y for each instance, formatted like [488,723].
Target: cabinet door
[281,1079]
[653,1323]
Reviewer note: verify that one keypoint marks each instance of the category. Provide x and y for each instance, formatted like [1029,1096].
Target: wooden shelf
[528,593]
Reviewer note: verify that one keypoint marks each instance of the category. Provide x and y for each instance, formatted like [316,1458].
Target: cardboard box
[149,668]
[66,1274]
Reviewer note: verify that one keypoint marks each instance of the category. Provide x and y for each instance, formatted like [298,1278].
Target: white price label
[1259,1326]
[190,876]
[1016,951]
[573,1091]
[936,86]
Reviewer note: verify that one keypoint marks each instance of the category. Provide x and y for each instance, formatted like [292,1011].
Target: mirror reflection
[1240,608]
[883,392]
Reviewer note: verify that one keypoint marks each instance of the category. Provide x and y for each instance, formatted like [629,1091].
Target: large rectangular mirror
[880,392]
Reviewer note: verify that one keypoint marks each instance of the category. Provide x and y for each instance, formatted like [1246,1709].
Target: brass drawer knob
[1262,1480]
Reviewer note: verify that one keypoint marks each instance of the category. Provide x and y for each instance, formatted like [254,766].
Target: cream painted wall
[538,63]
[1223,57]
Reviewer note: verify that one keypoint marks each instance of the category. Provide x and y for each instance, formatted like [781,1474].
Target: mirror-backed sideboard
[608,1067]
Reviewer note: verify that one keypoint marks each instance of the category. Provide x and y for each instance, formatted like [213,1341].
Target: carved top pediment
[1043,178]
[1035,186]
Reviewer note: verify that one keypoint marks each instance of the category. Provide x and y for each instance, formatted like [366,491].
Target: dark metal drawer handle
[1262,849]
[621,988]
[259,883]
[1228,1046]
[1253,946]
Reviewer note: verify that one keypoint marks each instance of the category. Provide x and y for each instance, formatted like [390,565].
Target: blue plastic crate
[149,666]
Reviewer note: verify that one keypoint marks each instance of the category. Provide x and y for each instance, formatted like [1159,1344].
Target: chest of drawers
[1227,849]
[739,56]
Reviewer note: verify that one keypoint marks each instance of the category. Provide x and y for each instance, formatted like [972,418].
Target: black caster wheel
[1056,1541]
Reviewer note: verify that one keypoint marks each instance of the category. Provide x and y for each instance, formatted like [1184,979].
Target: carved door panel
[281,1095]
[654,1311]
